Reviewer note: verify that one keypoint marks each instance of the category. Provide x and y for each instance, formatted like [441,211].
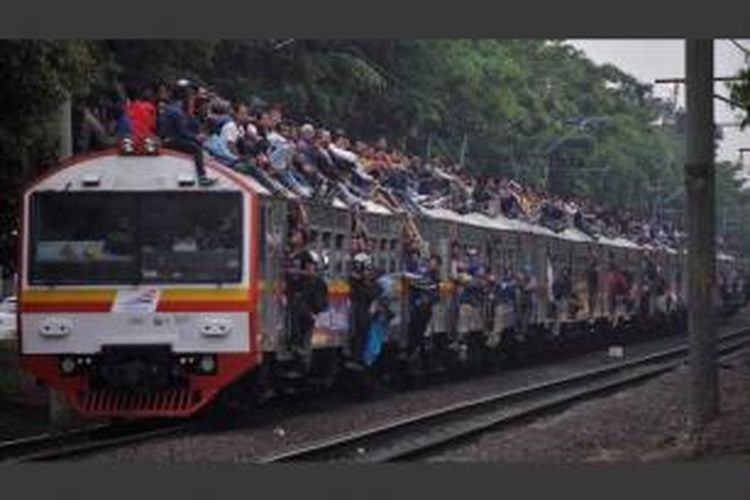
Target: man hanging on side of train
[528,287]
[424,281]
[592,282]
[307,295]
[562,292]
[505,299]
[650,276]
[471,276]
[364,290]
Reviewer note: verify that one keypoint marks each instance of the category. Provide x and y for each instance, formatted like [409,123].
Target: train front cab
[138,290]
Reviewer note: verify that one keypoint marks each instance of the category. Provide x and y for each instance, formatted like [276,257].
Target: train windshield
[121,238]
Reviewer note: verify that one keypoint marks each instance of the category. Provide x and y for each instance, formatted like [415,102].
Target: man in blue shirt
[424,293]
[181,132]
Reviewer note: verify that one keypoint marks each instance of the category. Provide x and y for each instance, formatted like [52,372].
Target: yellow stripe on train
[54,296]
[108,295]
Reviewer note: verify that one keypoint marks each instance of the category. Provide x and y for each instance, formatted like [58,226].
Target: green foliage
[740,94]
[35,78]
[511,99]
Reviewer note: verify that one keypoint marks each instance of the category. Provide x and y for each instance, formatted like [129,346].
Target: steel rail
[411,436]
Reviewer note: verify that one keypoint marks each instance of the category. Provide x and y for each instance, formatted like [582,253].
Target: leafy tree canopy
[521,108]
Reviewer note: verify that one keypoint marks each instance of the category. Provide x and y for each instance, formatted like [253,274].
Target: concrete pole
[701,209]
[462,152]
[61,413]
[65,129]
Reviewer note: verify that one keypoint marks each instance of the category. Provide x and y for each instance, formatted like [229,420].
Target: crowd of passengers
[314,162]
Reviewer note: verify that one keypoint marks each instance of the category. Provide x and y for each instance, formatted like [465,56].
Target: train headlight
[68,365]
[207,364]
[127,146]
[151,146]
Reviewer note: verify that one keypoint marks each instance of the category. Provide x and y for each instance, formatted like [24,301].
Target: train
[142,294]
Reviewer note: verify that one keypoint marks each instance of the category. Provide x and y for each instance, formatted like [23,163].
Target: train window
[83,238]
[194,237]
[339,242]
[338,265]
[325,239]
[136,238]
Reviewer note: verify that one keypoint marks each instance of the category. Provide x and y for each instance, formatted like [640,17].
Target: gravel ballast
[648,423]
[291,426]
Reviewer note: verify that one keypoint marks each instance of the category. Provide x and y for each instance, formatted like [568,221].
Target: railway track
[74,443]
[419,435]
[401,439]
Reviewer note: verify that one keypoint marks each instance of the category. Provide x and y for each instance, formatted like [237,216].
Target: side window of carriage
[338,255]
[325,240]
[394,255]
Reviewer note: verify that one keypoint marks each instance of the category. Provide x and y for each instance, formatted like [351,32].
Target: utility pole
[462,153]
[65,129]
[701,209]
[60,411]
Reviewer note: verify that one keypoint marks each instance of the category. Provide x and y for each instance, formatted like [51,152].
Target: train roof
[113,171]
[109,171]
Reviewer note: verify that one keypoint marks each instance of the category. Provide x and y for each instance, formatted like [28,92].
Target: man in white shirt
[234,129]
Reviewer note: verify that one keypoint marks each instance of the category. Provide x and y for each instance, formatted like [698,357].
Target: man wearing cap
[307,295]
[364,290]
[527,289]
[471,298]
[423,279]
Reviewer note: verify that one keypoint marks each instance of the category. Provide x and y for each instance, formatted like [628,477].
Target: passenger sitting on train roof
[349,161]
[181,131]
[552,216]
[141,112]
[232,127]
[311,164]
[216,143]
[509,201]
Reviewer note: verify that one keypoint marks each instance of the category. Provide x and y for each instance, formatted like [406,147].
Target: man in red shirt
[141,112]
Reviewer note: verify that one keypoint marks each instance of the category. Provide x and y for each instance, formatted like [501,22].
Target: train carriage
[142,294]
[138,291]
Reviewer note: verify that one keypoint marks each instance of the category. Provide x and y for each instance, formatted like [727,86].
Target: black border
[727,481]
[377,19]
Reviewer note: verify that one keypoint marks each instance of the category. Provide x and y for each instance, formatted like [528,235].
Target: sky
[648,60]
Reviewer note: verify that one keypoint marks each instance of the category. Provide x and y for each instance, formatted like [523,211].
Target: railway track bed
[419,435]
[402,438]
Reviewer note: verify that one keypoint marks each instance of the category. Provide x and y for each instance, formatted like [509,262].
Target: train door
[272,242]
[385,232]
[329,230]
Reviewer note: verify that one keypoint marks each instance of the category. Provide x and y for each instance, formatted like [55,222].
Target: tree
[35,78]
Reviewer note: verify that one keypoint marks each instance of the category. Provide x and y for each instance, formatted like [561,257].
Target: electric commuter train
[143,294]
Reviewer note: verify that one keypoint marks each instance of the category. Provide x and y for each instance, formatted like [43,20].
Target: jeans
[295,183]
[193,148]
[419,320]
[302,323]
